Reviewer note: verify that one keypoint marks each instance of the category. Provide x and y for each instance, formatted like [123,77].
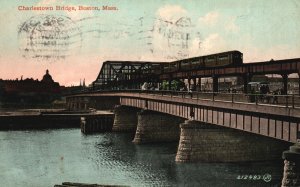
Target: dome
[47,77]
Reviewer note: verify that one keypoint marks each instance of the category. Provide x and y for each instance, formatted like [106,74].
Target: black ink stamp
[49,37]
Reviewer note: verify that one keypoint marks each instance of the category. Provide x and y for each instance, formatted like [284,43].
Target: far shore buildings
[29,92]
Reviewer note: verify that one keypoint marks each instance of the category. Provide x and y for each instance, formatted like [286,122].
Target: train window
[238,56]
[184,63]
[223,57]
[210,59]
[173,65]
[194,62]
[155,68]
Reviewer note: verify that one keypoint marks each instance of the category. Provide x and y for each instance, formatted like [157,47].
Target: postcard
[149,93]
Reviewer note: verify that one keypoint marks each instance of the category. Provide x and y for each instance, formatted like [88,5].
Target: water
[45,158]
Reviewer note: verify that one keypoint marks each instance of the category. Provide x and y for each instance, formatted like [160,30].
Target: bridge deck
[281,121]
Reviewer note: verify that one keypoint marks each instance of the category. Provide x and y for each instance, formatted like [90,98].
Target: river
[48,157]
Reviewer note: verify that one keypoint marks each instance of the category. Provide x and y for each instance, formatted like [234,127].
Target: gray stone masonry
[125,119]
[157,127]
[291,171]
[204,142]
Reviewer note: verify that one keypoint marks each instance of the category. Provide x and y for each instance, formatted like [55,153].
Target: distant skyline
[73,44]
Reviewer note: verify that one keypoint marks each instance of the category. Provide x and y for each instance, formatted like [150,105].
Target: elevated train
[225,59]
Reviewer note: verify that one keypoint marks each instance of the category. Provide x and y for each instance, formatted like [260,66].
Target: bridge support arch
[125,119]
[204,142]
[156,127]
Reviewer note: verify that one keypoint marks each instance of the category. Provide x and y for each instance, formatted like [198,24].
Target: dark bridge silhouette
[131,75]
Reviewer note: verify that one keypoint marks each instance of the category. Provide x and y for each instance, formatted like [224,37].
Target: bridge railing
[291,101]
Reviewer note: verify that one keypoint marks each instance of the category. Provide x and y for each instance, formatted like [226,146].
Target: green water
[45,158]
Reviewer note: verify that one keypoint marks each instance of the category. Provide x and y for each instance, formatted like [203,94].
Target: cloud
[214,43]
[169,39]
[210,18]
[195,47]
[214,18]
[276,52]
[171,12]
[231,26]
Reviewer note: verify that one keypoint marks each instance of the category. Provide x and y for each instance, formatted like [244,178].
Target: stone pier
[291,173]
[157,127]
[204,142]
[96,123]
[125,119]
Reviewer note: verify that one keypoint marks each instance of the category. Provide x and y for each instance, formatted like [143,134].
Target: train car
[157,69]
[191,63]
[184,65]
[223,59]
[209,61]
[171,67]
[229,58]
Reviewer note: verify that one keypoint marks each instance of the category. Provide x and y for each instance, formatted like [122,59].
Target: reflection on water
[45,158]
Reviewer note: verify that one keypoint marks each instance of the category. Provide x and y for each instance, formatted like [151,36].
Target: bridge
[126,74]
[280,121]
[210,126]
[246,71]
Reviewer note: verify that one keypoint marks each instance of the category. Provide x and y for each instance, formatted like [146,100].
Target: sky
[74,44]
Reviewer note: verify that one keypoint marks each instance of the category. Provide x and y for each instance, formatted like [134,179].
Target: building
[29,92]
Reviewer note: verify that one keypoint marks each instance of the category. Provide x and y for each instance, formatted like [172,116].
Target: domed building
[30,91]
[47,78]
